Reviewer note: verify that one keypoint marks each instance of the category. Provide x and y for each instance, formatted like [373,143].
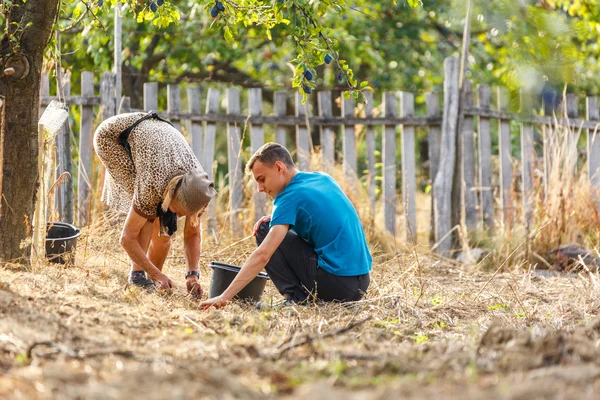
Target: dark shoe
[138,278]
[282,304]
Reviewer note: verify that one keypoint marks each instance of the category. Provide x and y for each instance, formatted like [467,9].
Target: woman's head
[189,194]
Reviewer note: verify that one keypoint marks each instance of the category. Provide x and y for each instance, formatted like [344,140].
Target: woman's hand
[162,281]
[193,286]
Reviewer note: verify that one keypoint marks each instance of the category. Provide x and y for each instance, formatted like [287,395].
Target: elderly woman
[154,177]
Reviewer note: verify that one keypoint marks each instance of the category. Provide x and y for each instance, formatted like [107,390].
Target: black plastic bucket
[223,275]
[61,241]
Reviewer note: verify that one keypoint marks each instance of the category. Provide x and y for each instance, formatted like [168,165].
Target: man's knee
[262,232]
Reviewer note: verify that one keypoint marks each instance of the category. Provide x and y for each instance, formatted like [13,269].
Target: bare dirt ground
[427,328]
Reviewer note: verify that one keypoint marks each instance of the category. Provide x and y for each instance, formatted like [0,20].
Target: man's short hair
[269,154]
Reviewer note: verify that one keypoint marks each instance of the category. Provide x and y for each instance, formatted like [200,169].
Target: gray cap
[195,191]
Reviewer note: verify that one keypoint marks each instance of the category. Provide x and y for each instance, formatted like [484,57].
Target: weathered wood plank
[485,160]
[194,128]
[64,163]
[84,180]
[442,186]
[257,139]
[107,95]
[208,152]
[467,140]
[125,105]
[349,142]
[432,100]
[151,97]
[45,93]
[370,138]
[174,104]
[506,192]
[389,165]
[527,161]
[409,178]
[280,110]
[327,135]
[72,100]
[302,136]
[234,164]
[593,146]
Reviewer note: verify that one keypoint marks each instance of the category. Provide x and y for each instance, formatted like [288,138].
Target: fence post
[174,104]
[327,135]
[389,164]
[194,128]
[370,153]
[235,164]
[442,186]
[125,105]
[593,146]
[107,95]
[280,110]
[527,161]
[64,163]
[208,152]
[44,90]
[485,160]
[257,139]
[151,96]
[505,160]
[433,139]
[84,180]
[409,180]
[302,136]
[468,162]
[349,143]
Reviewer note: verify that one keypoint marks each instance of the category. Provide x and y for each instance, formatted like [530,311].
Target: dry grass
[427,328]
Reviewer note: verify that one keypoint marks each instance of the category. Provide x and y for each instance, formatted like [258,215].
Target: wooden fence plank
[442,186]
[84,178]
[107,95]
[208,152]
[64,164]
[280,110]
[505,161]
[302,136]
[257,139]
[234,164]
[432,100]
[370,137]
[409,179]
[469,162]
[151,96]
[593,146]
[349,143]
[527,161]
[194,129]
[485,160]
[44,91]
[327,134]
[174,104]
[125,105]
[389,165]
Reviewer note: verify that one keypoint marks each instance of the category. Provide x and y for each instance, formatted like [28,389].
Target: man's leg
[341,288]
[293,266]
[159,246]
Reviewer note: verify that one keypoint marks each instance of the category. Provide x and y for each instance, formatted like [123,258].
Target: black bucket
[223,275]
[61,241]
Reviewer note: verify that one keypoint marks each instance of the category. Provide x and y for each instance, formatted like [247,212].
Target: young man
[314,243]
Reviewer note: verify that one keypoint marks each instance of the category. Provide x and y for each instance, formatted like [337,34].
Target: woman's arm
[130,240]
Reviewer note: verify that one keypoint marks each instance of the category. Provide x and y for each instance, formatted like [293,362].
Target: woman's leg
[159,246]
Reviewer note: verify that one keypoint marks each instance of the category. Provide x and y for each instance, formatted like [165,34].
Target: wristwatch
[187,274]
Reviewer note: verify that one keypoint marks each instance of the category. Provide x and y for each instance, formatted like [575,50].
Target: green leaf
[228,34]
[413,3]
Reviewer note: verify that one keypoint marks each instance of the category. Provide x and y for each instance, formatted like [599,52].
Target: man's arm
[253,265]
[130,242]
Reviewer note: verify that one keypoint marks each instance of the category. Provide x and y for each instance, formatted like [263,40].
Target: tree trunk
[19,131]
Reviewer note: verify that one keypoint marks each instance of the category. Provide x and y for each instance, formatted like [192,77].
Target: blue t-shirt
[317,209]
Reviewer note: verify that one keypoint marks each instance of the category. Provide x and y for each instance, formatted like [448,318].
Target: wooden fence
[468,164]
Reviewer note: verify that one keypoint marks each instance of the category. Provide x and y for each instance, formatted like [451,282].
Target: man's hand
[216,302]
[193,286]
[162,281]
[266,218]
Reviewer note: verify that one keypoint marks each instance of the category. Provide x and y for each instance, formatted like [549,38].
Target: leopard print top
[160,152]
